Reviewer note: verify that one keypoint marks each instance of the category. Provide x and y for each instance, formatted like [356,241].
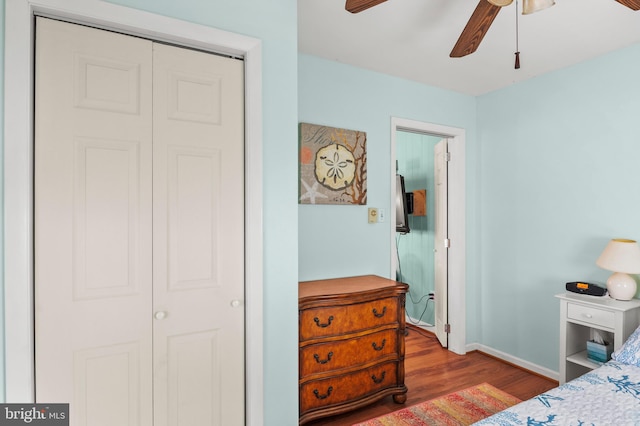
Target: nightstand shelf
[581,317]
[581,358]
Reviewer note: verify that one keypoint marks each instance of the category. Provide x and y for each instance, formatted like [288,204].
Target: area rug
[456,409]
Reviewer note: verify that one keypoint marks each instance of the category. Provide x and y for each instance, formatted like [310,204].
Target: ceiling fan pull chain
[517,66]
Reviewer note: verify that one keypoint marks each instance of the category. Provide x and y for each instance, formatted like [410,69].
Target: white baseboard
[421,324]
[543,371]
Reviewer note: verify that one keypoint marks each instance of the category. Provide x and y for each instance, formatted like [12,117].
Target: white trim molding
[420,324]
[18,170]
[543,371]
[457,221]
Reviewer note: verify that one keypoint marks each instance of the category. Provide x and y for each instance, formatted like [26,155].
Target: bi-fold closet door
[139,229]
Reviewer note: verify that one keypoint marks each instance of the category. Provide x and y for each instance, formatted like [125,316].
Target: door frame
[456,219]
[18,172]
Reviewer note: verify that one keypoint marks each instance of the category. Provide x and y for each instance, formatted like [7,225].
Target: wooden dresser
[351,344]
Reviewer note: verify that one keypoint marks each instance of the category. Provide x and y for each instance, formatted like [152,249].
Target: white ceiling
[412,39]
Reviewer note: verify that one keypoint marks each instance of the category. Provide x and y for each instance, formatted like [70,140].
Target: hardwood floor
[431,371]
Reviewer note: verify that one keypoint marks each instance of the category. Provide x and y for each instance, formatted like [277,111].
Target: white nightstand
[580,315]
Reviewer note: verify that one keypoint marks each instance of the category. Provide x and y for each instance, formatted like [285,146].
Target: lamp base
[621,286]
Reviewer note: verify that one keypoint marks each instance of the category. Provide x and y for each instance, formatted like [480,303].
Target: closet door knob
[160,315]
[235,303]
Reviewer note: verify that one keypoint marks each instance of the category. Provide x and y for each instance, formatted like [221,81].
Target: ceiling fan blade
[631,4]
[355,6]
[476,28]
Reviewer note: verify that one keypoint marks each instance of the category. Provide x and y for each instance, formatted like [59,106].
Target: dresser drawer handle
[376,380]
[379,348]
[587,316]
[317,357]
[379,315]
[317,321]
[326,395]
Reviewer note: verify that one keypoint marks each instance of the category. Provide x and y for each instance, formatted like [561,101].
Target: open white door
[441,242]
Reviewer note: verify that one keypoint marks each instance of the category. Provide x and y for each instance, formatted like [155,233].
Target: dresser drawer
[590,315]
[348,387]
[336,320]
[335,355]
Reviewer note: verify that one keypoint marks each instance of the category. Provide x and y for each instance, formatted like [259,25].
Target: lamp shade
[531,6]
[500,3]
[621,255]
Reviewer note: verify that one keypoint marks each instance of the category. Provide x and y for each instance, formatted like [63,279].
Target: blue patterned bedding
[606,396]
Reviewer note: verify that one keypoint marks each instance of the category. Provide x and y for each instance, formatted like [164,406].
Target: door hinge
[447,328]
[447,243]
[447,156]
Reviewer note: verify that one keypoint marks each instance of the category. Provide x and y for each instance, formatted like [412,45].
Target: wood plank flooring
[431,371]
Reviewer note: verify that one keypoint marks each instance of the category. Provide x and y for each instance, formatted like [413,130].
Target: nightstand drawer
[591,315]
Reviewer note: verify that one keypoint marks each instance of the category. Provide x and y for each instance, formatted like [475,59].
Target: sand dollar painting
[335,167]
[332,165]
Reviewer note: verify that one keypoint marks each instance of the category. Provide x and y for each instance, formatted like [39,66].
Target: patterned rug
[459,408]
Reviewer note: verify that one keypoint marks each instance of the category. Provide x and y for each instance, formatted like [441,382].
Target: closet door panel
[107,192]
[194,364]
[199,238]
[116,367]
[92,220]
[193,188]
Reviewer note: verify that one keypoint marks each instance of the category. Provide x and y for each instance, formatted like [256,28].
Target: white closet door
[139,243]
[93,224]
[198,250]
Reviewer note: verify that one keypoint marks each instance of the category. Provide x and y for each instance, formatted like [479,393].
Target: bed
[606,396]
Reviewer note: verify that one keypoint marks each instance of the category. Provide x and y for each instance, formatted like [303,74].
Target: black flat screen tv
[402,210]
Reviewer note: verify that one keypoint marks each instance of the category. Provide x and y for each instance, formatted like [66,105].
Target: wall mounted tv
[403,206]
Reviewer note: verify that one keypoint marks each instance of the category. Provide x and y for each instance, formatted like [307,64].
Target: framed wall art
[333,165]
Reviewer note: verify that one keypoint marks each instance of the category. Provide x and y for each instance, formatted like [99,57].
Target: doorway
[456,315]
[417,163]
[19,33]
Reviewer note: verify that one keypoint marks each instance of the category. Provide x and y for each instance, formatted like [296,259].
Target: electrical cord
[399,278]
[426,305]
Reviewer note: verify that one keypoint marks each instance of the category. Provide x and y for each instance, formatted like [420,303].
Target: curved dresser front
[351,344]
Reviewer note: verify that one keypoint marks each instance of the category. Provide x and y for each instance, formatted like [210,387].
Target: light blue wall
[414,155]
[275,23]
[337,241]
[559,165]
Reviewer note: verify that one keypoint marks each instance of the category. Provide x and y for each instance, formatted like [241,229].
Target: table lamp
[621,256]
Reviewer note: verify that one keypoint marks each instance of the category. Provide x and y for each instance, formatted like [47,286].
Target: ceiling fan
[480,20]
